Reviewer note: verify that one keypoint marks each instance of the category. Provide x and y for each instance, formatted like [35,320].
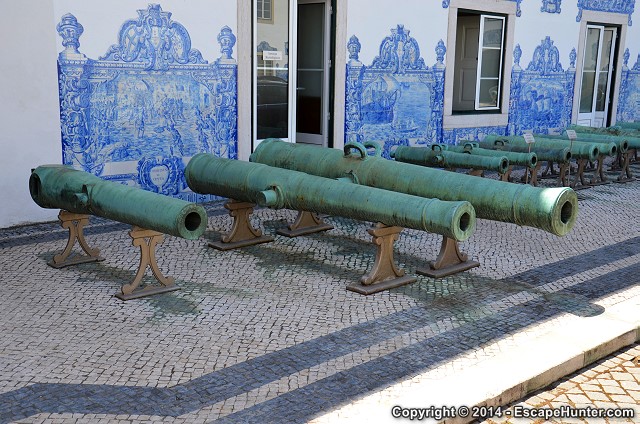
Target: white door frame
[608,19]
[596,118]
[321,139]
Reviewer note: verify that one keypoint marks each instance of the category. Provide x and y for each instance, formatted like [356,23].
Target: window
[479,59]
[265,11]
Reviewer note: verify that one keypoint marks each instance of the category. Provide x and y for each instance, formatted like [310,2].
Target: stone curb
[538,363]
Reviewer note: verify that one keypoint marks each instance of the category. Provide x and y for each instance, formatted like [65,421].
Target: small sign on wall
[271,55]
[528,138]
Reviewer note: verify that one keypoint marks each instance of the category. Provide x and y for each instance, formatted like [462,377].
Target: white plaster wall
[102,20]
[372,20]
[29,112]
[533,26]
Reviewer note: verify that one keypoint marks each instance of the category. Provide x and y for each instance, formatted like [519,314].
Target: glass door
[597,70]
[273,96]
[312,72]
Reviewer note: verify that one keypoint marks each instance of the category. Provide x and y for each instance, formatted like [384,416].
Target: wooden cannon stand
[146,239]
[622,164]
[242,232]
[450,260]
[385,274]
[75,223]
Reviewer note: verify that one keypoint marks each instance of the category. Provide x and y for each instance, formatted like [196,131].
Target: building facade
[142,87]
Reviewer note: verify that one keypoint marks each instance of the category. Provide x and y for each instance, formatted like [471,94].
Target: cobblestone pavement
[268,333]
[612,383]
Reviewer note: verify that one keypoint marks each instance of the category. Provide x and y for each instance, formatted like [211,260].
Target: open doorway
[292,70]
[596,89]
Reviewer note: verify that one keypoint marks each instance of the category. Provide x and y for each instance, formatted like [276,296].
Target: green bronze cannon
[62,187]
[79,194]
[528,160]
[629,125]
[439,158]
[630,135]
[605,147]
[543,154]
[550,209]
[249,183]
[279,188]
[587,151]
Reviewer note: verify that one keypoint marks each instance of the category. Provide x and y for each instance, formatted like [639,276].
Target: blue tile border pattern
[398,99]
[541,97]
[625,7]
[551,6]
[629,100]
[136,114]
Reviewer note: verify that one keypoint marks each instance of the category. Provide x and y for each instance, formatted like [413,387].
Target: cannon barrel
[60,186]
[550,209]
[607,148]
[628,125]
[578,150]
[529,160]
[542,153]
[447,159]
[279,188]
[631,136]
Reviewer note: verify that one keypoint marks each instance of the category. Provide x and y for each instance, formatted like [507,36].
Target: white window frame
[489,7]
[260,9]
[481,48]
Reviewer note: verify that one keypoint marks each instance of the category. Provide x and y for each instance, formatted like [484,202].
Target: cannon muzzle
[551,209]
[280,188]
[60,186]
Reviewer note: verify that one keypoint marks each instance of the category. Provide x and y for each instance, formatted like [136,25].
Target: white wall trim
[340,71]
[462,121]
[244,49]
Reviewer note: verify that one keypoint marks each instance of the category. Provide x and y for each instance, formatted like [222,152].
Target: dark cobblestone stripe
[304,403]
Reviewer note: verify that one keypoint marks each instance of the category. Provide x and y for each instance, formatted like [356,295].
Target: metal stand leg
[450,260]
[599,176]
[242,232]
[626,158]
[476,172]
[75,223]
[531,174]
[562,175]
[582,163]
[384,275]
[507,175]
[147,241]
[305,223]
